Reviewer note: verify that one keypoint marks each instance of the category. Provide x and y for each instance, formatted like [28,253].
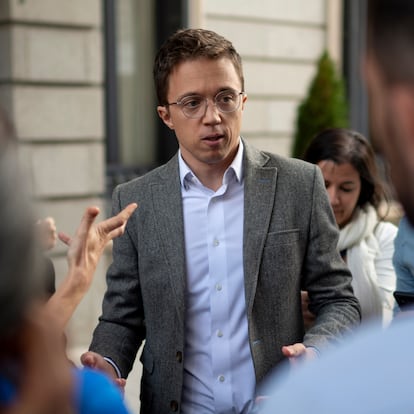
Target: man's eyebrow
[189,94]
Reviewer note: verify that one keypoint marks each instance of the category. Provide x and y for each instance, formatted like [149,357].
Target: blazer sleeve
[326,276]
[121,327]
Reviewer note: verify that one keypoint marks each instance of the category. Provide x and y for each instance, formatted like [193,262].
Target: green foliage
[324,107]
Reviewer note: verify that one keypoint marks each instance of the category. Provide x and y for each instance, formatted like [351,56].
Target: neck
[211,178]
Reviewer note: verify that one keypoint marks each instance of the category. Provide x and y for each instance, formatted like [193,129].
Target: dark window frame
[354,40]
[170,15]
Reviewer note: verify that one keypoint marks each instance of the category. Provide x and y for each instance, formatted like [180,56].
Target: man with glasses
[210,269]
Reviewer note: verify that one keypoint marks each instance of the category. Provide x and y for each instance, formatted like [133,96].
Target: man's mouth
[213,139]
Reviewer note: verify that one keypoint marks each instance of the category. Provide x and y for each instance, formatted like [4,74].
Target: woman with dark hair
[366,241]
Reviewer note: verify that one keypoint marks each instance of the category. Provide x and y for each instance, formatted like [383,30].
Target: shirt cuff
[118,372]
[316,350]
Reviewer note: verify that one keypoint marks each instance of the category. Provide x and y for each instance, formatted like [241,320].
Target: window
[137,141]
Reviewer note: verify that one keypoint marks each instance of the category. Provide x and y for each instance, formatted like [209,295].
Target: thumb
[88,360]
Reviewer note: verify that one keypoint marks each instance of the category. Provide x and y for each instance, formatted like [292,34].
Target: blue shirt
[94,393]
[403,259]
[372,373]
[218,367]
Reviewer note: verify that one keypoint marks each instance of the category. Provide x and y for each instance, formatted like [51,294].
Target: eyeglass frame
[204,99]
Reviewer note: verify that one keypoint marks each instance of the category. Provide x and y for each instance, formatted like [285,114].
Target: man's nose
[212,114]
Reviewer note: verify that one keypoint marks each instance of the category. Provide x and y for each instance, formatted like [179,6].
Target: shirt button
[216,243]
[221,378]
[219,287]
[179,356]
[219,333]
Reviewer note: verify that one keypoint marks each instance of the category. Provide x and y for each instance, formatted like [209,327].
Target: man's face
[392,114]
[212,140]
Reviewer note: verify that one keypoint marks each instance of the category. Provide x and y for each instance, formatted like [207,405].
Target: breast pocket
[281,256]
[285,237]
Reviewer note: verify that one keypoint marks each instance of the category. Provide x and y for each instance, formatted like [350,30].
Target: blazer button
[179,356]
[174,406]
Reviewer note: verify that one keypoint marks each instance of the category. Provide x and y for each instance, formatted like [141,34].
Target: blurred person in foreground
[35,375]
[373,372]
[366,240]
[209,272]
[403,260]
[46,235]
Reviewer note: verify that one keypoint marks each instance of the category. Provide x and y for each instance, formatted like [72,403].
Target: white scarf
[359,240]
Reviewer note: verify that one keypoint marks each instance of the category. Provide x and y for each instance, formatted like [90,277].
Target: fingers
[128,210]
[92,212]
[86,222]
[63,237]
[88,218]
[89,359]
[122,217]
[46,229]
[298,353]
[107,229]
[121,383]
[50,223]
[96,361]
[293,351]
[115,226]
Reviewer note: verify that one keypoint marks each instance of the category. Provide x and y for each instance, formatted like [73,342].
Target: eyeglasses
[195,106]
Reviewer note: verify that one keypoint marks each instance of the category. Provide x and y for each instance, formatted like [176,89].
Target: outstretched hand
[85,250]
[86,247]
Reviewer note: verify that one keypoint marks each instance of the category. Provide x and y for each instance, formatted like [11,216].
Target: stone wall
[51,85]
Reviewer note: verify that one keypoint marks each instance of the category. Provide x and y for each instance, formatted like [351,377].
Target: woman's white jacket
[369,245]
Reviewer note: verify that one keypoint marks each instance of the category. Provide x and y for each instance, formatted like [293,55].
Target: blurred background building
[76,80]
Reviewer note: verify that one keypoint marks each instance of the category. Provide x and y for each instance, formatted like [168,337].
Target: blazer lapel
[168,211]
[260,188]
[259,198]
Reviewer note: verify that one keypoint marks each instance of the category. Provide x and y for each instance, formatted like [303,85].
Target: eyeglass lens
[195,106]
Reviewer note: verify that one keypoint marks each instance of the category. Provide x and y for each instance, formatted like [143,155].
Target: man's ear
[164,114]
[244,99]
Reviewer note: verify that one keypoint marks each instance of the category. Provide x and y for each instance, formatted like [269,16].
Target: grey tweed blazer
[290,239]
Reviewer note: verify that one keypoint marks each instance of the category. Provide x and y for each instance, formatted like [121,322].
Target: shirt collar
[236,166]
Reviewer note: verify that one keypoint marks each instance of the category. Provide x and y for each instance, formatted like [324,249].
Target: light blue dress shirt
[218,367]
